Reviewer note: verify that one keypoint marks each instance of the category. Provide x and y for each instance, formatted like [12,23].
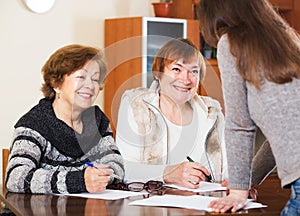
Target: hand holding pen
[185,174]
[96,177]
[207,176]
[92,165]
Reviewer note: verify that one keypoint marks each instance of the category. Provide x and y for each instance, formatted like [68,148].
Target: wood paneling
[123,52]
[212,85]
[289,10]
[182,9]
[282,4]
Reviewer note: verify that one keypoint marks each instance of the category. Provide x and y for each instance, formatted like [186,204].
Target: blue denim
[292,207]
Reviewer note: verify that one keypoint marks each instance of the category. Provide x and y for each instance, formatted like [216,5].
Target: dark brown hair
[175,49]
[66,61]
[258,37]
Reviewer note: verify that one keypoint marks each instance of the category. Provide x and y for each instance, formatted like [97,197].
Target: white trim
[145,20]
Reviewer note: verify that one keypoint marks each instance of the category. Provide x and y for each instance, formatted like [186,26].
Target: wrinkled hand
[234,201]
[186,174]
[96,180]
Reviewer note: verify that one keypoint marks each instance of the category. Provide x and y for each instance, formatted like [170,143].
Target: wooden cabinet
[212,85]
[130,46]
[182,9]
[289,10]
[282,4]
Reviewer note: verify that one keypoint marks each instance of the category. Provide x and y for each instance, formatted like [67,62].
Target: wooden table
[48,205]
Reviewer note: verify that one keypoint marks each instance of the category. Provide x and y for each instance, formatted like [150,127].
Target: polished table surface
[269,193]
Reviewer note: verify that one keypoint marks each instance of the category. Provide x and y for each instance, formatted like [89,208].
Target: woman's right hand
[252,191]
[96,179]
[185,174]
[233,202]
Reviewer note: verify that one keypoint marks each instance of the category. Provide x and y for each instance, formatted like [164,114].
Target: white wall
[27,39]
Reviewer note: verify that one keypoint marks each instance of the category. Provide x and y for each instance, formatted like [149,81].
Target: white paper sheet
[108,194]
[203,187]
[190,202]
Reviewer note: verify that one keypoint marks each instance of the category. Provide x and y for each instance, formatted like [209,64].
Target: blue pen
[92,165]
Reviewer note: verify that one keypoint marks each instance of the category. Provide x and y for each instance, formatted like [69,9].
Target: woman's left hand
[233,202]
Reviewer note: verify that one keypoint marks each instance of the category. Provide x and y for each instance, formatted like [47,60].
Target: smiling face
[80,89]
[180,79]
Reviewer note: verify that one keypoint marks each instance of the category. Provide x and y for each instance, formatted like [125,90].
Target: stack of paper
[108,194]
[203,187]
[190,202]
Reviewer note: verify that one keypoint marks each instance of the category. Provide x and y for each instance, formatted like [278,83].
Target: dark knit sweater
[48,156]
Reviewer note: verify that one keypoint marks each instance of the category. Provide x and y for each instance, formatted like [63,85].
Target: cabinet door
[123,52]
[156,32]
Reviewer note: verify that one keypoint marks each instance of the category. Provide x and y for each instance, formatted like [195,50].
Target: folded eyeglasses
[149,186]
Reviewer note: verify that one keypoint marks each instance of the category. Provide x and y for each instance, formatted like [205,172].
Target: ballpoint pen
[207,178]
[190,159]
[92,165]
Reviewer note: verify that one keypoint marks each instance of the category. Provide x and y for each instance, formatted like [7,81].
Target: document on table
[107,194]
[203,187]
[189,202]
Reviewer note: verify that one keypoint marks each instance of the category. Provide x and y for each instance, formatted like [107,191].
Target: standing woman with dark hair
[259,61]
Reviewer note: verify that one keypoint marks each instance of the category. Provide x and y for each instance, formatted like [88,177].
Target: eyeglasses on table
[150,186]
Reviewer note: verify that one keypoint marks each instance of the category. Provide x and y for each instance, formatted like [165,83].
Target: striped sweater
[47,156]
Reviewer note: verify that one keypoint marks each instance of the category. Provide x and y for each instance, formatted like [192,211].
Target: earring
[57,93]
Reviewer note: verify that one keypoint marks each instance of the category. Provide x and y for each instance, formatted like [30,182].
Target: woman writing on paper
[158,127]
[53,141]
